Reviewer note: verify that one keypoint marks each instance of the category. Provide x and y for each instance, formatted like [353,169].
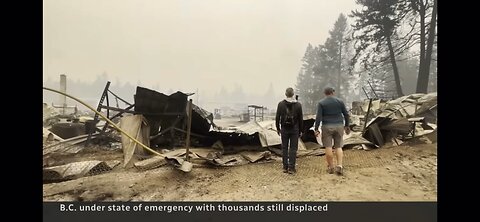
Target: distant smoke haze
[250,48]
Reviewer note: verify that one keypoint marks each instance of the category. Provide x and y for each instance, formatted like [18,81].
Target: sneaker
[292,171]
[285,170]
[339,170]
[330,170]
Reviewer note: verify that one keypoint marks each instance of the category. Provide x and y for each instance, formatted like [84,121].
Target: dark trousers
[289,154]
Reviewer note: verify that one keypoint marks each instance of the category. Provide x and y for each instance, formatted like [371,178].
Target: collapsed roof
[410,115]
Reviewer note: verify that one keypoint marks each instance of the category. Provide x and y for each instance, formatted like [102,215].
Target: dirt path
[403,173]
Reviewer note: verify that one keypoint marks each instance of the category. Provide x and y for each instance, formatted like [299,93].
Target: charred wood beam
[118,97]
[135,112]
[177,129]
[115,116]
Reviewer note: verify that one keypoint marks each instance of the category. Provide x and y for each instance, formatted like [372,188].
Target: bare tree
[425,13]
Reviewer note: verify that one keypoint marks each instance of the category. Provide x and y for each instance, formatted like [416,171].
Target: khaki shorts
[332,133]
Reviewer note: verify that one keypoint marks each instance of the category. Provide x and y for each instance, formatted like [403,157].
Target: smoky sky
[185,44]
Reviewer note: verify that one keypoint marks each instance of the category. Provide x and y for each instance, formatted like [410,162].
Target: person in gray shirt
[333,115]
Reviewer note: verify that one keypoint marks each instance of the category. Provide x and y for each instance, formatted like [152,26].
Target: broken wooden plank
[150,163]
[377,135]
[256,156]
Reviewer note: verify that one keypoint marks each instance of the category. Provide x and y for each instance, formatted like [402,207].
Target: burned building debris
[403,118]
[160,121]
[167,116]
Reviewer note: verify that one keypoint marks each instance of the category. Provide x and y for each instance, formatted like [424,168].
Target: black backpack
[290,116]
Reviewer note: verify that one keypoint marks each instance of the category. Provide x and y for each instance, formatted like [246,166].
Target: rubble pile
[402,119]
[160,121]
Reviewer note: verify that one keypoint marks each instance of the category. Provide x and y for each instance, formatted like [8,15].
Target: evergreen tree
[308,83]
[375,33]
[333,50]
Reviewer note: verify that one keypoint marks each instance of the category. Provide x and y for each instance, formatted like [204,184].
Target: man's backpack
[290,116]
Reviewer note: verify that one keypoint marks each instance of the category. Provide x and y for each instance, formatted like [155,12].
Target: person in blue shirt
[333,115]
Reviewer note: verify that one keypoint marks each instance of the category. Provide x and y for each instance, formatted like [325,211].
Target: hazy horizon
[185,45]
